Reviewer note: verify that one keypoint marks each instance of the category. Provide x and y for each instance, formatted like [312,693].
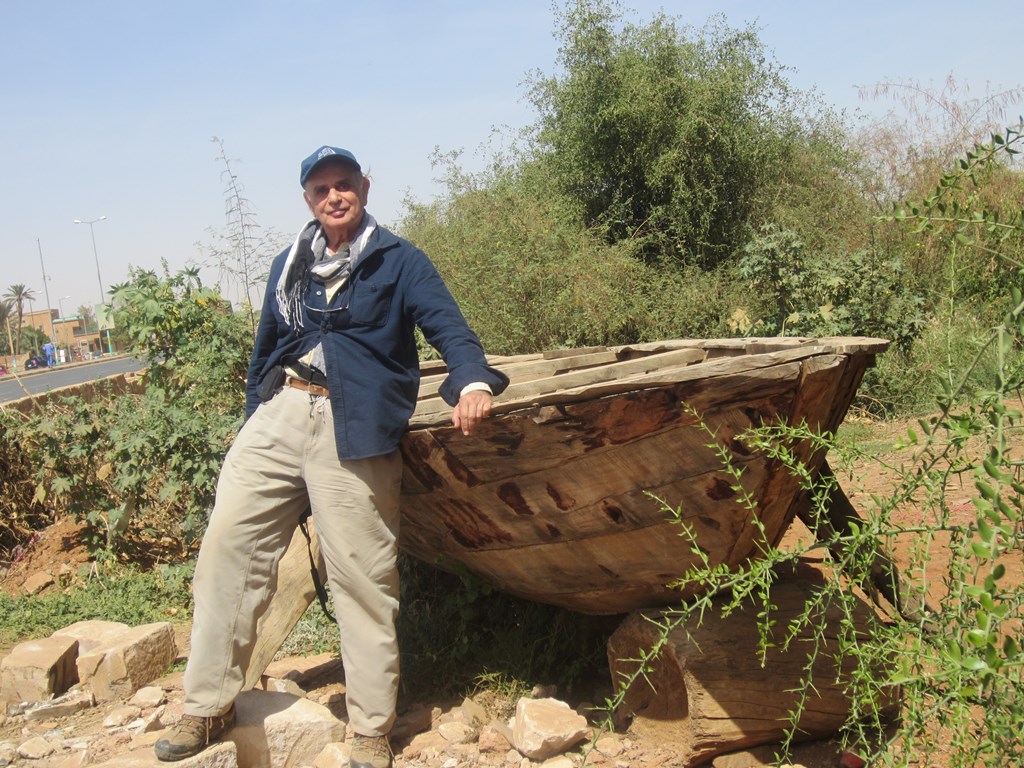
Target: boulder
[279,730]
[115,660]
[709,692]
[37,670]
[544,728]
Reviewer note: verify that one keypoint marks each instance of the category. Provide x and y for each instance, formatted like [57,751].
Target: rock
[148,697]
[494,740]
[36,670]
[334,755]
[35,748]
[8,753]
[151,723]
[505,729]
[219,755]
[758,757]
[278,730]
[37,582]
[544,728]
[425,746]
[115,660]
[474,713]
[77,759]
[457,733]
[464,754]
[609,746]
[408,724]
[120,716]
[282,685]
[92,634]
[561,761]
[63,706]
[303,669]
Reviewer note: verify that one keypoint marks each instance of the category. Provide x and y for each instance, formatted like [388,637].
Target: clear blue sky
[109,107]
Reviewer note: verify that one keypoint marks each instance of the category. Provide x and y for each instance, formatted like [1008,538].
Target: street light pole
[96,256]
[46,288]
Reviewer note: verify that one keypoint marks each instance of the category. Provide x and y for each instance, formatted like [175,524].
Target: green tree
[6,333]
[661,133]
[19,294]
[195,346]
[88,315]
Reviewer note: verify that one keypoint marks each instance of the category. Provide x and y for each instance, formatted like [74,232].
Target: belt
[307,386]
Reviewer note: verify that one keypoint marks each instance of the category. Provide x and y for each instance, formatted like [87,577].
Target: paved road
[34,382]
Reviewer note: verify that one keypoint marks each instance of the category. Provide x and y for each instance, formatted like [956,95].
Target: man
[332,382]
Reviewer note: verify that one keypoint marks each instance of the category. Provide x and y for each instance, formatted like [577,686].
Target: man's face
[336,196]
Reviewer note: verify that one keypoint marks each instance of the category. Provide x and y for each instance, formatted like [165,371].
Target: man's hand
[473,408]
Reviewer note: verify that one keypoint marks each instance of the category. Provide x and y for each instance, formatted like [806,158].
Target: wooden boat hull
[561,496]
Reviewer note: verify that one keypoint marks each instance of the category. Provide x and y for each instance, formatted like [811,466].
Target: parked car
[3,369]
[35,362]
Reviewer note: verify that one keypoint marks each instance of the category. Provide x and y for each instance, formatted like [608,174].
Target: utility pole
[46,290]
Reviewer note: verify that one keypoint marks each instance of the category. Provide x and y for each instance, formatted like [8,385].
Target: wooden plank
[293,593]
[617,378]
[714,691]
[529,370]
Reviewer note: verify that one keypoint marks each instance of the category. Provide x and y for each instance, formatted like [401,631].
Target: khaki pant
[283,460]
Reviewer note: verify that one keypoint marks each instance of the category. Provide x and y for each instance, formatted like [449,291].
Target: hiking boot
[192,734]
[370,752]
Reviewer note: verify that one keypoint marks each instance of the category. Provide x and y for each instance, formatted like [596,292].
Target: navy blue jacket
[369,343]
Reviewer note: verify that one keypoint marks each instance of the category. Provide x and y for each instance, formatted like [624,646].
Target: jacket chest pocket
[371,302]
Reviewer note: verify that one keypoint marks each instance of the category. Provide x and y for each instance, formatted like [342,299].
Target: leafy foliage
[141,469]
[528,279]
[663,135]
[196,349]
[858,294]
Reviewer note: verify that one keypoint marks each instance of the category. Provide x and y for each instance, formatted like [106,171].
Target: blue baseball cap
[322,155]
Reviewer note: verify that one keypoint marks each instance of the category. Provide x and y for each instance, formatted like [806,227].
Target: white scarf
[290,286]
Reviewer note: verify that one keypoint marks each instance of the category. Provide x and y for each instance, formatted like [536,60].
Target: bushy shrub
[141,469]
[528,279]
[827,294]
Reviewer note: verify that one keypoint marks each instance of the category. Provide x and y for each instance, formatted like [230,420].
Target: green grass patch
[110,593]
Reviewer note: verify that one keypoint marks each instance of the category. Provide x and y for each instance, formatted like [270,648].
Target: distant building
[69,333]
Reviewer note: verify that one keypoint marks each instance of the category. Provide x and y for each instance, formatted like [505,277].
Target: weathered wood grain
[564,496]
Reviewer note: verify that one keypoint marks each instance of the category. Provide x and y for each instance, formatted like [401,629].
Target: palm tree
[6,310]
[19,294]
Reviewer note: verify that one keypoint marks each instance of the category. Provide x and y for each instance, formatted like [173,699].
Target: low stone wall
[120,383]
